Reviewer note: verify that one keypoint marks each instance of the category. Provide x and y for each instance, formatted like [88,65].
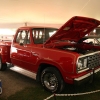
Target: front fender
[44,64]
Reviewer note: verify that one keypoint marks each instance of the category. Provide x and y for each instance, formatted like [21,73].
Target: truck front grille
[94,60]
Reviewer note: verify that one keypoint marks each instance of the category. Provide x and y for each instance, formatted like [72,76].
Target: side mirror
[21,42]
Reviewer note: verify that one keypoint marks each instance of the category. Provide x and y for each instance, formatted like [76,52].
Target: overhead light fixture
[94,31]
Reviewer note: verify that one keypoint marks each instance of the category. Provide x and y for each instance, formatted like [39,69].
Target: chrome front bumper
[85,77]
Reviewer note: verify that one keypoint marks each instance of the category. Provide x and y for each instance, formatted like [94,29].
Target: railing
[76,94]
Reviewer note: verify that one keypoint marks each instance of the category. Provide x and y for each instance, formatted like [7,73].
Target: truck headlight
[82,64]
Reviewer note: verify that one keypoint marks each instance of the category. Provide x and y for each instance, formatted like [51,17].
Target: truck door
[23,50]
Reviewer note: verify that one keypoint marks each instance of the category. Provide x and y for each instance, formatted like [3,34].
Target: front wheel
[3,66]
[52,80]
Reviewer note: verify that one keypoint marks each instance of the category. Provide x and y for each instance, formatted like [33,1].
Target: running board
[23,72]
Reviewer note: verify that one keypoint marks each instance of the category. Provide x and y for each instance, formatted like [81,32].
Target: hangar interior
[80,59]
[17,13]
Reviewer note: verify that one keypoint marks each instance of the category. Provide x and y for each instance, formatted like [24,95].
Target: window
[40,35]
[23,37]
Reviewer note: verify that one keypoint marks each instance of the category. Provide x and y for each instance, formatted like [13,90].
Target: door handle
[33,53]
[25,45]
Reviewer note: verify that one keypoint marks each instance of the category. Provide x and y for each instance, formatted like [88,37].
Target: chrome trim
[83,70]
[82,77]
[24,72]
[87,75]
[97,70]
[84,56]
[88,54]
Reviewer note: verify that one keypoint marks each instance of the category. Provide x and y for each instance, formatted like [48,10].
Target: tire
[3,66]
[52,80]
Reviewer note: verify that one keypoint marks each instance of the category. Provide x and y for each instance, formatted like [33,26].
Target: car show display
[54,56]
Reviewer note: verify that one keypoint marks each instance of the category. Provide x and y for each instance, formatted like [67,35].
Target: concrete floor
[13,82]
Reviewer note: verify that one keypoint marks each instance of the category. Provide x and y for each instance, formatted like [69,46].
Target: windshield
[40,35]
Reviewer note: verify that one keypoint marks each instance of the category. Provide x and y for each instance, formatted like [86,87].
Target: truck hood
[74,29]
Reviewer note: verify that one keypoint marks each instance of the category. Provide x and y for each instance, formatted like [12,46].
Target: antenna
[25,23]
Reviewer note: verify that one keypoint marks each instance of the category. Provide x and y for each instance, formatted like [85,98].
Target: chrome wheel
[50,81]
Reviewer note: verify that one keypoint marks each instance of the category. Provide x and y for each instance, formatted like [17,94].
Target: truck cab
[26,45]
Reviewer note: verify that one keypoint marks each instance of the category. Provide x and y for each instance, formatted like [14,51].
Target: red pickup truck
[54,56]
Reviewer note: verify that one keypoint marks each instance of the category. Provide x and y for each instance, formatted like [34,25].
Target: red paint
[31,56]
